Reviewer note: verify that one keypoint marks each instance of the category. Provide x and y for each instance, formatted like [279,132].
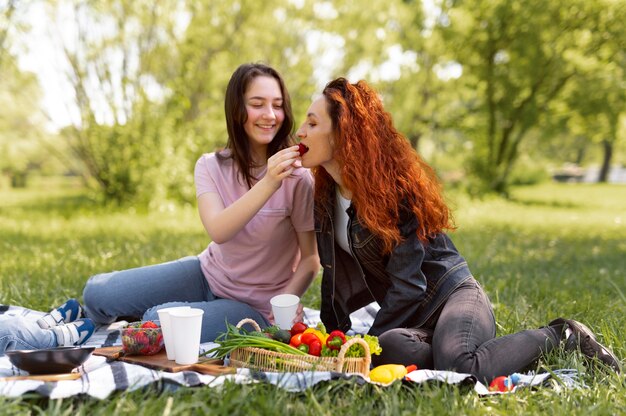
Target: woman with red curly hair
[380,221]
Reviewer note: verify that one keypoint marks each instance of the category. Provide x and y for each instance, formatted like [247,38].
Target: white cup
[166,328]
[186,327]
[284,308]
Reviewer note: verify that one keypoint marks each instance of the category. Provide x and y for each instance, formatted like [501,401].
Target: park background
[518,104]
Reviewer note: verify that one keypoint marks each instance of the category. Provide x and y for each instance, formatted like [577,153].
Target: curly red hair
[379,166]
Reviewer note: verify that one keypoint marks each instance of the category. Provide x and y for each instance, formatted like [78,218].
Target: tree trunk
[607,146]
[18,179]
[580,155]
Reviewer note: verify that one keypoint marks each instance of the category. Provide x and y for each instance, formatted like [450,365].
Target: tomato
[296,340]
[298,328]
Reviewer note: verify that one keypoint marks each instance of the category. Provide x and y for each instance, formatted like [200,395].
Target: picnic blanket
[99,378]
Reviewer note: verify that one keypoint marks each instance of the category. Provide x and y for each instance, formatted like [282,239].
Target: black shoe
[578,336]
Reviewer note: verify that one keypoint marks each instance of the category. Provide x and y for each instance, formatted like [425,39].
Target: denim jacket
[409,284]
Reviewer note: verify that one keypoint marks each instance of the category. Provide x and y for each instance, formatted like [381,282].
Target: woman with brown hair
[256,205]
[380,220]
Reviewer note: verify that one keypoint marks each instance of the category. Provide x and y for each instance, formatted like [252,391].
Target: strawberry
[149,324]
[302,149]
[142,339]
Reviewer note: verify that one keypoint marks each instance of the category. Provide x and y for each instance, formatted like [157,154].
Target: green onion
[235,338]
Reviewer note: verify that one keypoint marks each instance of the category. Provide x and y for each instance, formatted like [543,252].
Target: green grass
[552,250]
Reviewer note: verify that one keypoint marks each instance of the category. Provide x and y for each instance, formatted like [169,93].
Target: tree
[119,134]
[598,103]
[387,47]
[196,67]
[6,20]
[426,99]
[598,97]
[152,75]
[23,141]
[21,123]
[517,56]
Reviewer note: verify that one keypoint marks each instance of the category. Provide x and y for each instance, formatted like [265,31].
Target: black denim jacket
[409,284]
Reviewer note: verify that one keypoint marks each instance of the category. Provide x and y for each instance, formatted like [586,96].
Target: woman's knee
[405,346]
[152,314]
[393,337]
[98,298]
[92,288]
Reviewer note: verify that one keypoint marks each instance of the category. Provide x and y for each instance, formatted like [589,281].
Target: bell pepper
[335,340]
[309,337]
[313,342]
[303,348]
[315,348]
[322,336]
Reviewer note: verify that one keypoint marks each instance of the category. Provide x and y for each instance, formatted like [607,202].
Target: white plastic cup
[186,327]
[166,328]
[284,308]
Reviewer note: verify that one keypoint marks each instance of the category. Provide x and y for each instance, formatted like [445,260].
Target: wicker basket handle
[346,346]
[249,321]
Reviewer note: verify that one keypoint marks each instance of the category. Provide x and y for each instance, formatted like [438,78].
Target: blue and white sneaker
[64,314]
[74,333]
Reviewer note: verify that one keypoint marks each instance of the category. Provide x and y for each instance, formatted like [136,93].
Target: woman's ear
[331,140]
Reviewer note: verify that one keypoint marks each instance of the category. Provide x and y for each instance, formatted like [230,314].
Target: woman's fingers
[290,154]
[281,165]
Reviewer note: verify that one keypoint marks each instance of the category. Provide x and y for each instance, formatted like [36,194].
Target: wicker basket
[265,360]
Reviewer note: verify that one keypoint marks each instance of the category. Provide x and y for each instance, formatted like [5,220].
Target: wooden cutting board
[44,377]
[159,361]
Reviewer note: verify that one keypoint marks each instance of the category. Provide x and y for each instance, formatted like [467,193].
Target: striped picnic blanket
[99,378]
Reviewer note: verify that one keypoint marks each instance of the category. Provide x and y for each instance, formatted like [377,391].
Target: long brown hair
[236,117]
[379,166]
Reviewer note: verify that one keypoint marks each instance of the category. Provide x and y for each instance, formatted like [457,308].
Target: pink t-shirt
[258,262]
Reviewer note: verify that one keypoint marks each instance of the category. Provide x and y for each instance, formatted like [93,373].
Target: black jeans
[461,337]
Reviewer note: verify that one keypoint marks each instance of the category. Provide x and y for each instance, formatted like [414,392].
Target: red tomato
[298,328]
[296,340]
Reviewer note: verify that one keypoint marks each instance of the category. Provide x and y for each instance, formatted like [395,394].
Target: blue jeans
[461,337]
[139,293]
[17,333]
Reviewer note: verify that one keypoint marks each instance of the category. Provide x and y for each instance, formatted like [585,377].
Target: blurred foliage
[24,145]
[492,93]
[518,57]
